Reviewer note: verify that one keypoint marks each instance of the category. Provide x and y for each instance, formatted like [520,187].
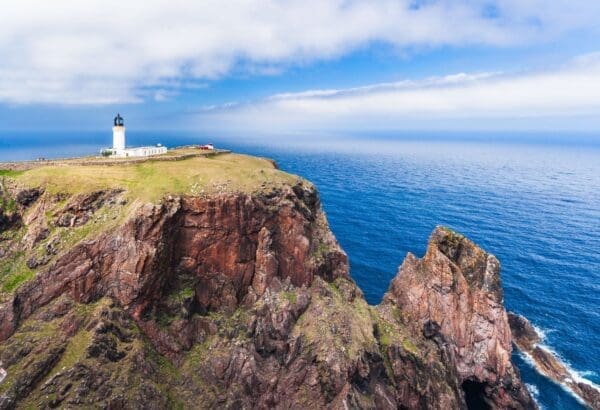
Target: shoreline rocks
[527,340]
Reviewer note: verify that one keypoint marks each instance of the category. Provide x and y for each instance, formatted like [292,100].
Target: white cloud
[569,91]
[106,51]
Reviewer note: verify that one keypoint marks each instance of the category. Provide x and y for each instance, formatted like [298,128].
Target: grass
[408,345]
[7,204]
[35,332]
[198,354]
[10,173]
[451,231]
[14,272]
[332,323]
[290,297]
[185,290]
[167,368]
[75,351]
[107,217]
[125,379]
[321,250]
[10,205]
[146,182]
[152,180]
[391,333]
[164,319]
[180,295]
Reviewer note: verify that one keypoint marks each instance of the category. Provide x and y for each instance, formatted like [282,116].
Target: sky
[300,66]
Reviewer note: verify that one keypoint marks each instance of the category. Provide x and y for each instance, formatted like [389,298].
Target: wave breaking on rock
[529,341]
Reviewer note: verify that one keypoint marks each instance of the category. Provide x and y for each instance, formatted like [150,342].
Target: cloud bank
[109,51]
[569,91]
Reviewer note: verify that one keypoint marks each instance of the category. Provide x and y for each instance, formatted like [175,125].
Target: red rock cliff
[236,245]
[244,301]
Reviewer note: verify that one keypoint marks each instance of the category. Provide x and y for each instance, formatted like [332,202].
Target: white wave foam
[527,358]
[542,333]
[535,393]
[577,376]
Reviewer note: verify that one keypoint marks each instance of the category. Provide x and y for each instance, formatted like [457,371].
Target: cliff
[221,285]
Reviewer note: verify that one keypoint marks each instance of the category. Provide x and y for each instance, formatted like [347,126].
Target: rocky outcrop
[524,335]
[243,300]
[527,339]
[455,294]
[26,197]
[80,208]
[8,215]
[234,245]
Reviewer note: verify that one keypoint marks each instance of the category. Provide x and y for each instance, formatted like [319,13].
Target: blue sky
[291,66]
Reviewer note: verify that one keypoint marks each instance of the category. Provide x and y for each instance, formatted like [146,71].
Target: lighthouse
[118,149]
[118,136]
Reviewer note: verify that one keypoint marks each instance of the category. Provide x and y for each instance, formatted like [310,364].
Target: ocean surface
[532,200]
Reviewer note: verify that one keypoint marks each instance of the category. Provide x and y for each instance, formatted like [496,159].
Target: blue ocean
[531,199]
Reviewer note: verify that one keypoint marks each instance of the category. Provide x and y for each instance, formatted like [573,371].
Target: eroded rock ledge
[245,301]
[527,339]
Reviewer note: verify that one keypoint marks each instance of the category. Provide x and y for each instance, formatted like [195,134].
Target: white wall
[119,139]
[141,151]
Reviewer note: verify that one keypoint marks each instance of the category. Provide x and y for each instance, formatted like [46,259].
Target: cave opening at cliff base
[475,395]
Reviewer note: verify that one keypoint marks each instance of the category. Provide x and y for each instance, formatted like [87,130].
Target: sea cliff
[216,282]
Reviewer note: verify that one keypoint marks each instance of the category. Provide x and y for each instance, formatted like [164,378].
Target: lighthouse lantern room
[119,136]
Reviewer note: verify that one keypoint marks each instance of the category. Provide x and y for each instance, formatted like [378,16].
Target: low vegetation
[14,272]
[325,326]
[151,180]
[141,182]
[10,173]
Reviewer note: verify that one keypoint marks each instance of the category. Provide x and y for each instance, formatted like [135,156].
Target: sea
[532,199]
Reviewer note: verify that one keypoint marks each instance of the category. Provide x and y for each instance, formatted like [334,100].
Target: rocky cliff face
[456,294]
[239,301]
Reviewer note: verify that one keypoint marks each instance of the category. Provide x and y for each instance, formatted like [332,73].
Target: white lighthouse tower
[118,149]
[119,136]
